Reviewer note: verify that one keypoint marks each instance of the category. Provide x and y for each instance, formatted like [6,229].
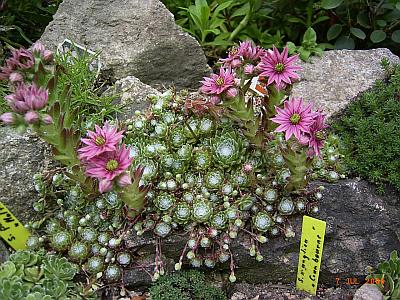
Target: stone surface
[21,156]
[132,94]
[368,292]
[135,37]
[362,229]
[333,80]
[245,291]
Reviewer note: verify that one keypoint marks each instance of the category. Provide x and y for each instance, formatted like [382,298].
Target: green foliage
[363,24]
[308,26]
[36,275]
[77,74]
[370,132]
[23,21]
[387,277]
[185,285]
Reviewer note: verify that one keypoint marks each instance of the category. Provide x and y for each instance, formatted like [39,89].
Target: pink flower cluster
[22,60]
[27,99]
[104,159]
[251,60]
[299,120]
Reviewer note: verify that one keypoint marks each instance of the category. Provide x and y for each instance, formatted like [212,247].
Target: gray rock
[135,37]
[132,94]
[368,292]
[333,80]
[245,291]
[362,230]
[21,156]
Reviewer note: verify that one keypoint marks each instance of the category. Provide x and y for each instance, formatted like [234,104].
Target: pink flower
[278,67]
[217,84]
[39,49]
[233,60]
[109,165]
[7,118]
[27,97]
[295,118]
[249,51]
[21,58]
[102,140]
[317,137]
[31,117]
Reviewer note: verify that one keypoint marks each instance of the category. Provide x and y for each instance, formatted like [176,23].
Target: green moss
[370,130]
[185,285]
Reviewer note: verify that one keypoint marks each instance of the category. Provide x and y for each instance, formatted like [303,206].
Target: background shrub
[370,132]
[22,22]
[353,24]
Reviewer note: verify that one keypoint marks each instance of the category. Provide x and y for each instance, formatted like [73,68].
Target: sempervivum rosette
[228,149]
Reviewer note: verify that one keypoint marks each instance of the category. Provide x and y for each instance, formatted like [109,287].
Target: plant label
[11,230]
[310,255]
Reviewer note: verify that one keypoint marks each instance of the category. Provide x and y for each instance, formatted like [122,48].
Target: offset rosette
[182,213]
[214,179]
[202,211]
[262,221]
[164,201]
[227,149]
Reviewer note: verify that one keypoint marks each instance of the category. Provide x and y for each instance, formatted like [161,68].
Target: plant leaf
[219,8]
[334,31]
[396,36]
[330,4]
[310,35]
[344,42]
[363,20]
[357,32]
[377,36]
[241,11]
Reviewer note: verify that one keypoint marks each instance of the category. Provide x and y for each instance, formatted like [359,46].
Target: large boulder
[336,78]
[135,37]
[21,156]
[362,229]
[132,94]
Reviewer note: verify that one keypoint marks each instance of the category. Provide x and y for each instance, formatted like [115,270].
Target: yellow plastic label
[311,246]
[11,230]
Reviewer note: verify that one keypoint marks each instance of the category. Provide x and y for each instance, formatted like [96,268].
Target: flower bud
[249,69]
[16,77]
[124,180]
[47,119]
[47,55]
[235,63]
[231,92]
[104,186]
[31,117]
[7,118]
[232,277]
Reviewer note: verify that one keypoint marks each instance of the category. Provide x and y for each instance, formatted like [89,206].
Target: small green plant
[308,46]
[185,285]
[387,277]
[36,275]
[370,133]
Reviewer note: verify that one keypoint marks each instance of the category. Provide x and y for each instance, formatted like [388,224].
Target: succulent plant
[210,181]
[37,275]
